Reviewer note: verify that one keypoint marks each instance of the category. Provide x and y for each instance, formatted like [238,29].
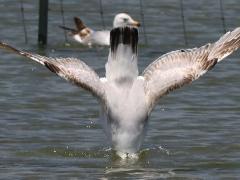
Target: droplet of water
[34,68]
[163,149]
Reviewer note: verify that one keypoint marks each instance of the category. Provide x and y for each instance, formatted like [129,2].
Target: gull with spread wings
[90,37]
[126,97]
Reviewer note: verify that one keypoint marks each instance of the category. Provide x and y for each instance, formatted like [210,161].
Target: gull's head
[123,19]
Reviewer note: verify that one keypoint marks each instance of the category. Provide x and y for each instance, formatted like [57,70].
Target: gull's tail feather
[79,25]
[122,59]
[226,45]
[73,31]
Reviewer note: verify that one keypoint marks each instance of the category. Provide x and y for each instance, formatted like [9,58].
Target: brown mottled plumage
[177,68]
[71,69]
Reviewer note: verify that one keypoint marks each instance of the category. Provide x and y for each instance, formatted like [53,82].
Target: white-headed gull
[126,97]
[88,36]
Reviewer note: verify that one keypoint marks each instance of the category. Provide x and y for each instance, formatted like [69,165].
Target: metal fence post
[43,22]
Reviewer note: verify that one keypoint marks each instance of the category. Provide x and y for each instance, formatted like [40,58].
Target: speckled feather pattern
[181,67]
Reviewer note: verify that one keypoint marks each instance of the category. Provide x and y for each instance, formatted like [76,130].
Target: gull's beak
[135,23]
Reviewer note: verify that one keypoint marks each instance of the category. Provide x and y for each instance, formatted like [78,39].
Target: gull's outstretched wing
[79,23]
[177,68]
[71,69]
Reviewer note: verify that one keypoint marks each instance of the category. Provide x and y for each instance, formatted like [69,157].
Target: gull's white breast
[125,115]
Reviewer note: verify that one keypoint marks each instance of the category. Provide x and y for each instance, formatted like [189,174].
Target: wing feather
[178,68]
[71,69]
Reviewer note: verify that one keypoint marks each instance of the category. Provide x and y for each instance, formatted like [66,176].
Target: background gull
[88,36]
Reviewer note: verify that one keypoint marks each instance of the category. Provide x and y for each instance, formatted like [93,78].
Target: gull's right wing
[71,69]
[178,68]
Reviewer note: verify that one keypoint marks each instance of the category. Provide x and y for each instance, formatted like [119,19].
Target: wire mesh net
[188,21]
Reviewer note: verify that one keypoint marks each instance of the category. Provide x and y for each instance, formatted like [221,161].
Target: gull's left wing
[71,69]
[181,67]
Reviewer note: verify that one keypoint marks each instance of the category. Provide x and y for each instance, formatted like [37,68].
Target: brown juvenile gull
[126,97]
[90,37]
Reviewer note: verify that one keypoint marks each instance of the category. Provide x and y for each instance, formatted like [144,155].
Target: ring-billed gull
[128,98]
[88,36]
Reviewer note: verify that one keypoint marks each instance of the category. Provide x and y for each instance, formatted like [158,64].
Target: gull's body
[126,115]
[92,37]
[88,36]
[100,38]
[128,98]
